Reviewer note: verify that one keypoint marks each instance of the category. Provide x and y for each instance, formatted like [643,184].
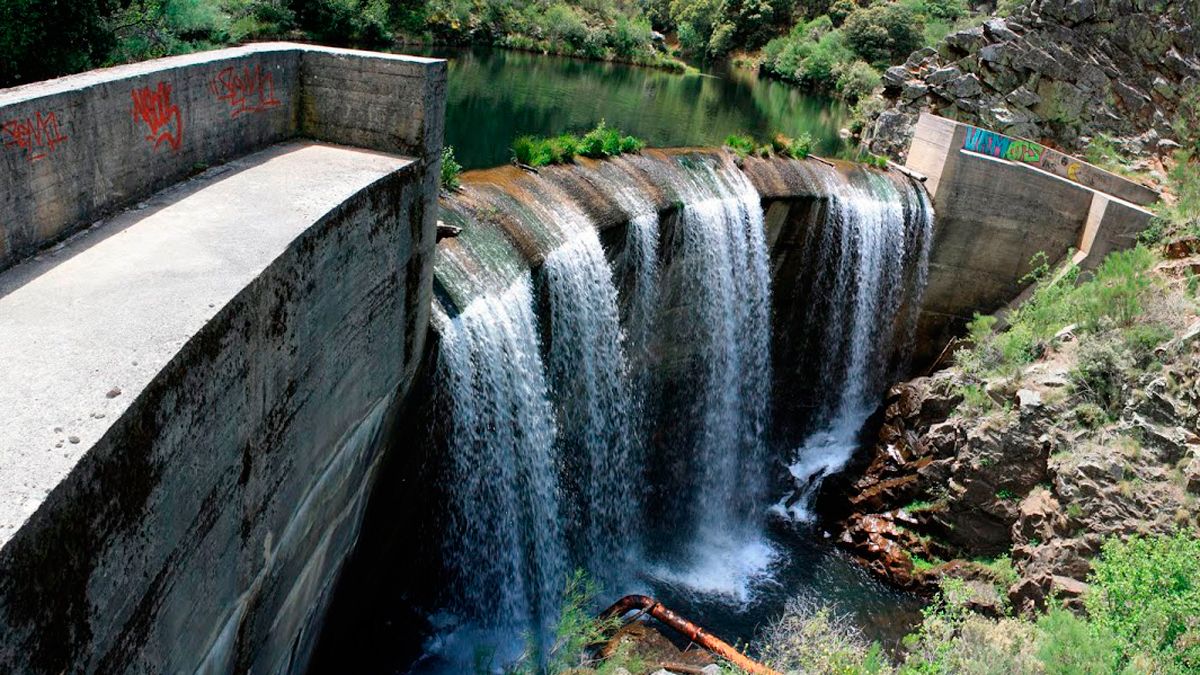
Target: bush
[883,33]
[1146,593]
[741,144]
[450,169]
[1068,645]
[811,638]
[857,81]
[1100,374]
[1112,297]
[603,141]
[795,148]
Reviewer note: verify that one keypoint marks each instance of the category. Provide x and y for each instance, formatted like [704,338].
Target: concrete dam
[230,338]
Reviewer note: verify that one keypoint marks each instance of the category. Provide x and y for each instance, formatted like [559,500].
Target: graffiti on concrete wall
[1029,153]
[245,90]
[36,136]
[997,145]
[164,123]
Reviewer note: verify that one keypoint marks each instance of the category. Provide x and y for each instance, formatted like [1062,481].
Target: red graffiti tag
[37,136]
[248,91]
[154,108]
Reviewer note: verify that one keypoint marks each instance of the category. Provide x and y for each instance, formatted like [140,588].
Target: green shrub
[1101,372]
[1091,416]
[603,141]
[884,33]
[1112,297]
[741,144]
[795,148]
[857,80]
[1146,593]
[1117,289]
[576,631]
[451,169]
[1068,645]
[812,638]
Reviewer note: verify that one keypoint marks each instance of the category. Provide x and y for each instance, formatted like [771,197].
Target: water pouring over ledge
[618,355]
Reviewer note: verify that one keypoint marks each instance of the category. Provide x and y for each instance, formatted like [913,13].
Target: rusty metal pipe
[688,629]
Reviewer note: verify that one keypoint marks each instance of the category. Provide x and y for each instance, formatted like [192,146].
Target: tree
[40,39]
[883,33]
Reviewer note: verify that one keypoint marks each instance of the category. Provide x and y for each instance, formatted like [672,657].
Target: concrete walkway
[86,326]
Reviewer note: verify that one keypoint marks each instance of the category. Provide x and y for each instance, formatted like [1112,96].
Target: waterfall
[505,550]
[590,387]
[716,290]
[613,414]
[874,235]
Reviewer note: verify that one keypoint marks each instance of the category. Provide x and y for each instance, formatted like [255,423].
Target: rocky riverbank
[1012,482]
[1063,72]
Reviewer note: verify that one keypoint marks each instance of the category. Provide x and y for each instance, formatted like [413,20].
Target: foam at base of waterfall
[457,647]
[824,453]
[722,564]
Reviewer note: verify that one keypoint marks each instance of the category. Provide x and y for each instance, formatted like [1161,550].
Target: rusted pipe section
[693,632]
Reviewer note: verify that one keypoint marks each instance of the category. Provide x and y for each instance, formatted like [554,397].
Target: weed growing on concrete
[603,141]
[451,169]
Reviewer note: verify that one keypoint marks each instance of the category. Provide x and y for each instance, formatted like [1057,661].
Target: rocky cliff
[1058,71]
[1014,482]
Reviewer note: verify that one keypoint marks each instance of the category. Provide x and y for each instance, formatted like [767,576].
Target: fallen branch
[688,629]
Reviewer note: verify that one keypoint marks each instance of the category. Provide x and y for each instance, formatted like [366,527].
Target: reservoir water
[495,95]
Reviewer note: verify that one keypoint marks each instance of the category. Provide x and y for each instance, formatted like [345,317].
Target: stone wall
[1060,71]
[81,147]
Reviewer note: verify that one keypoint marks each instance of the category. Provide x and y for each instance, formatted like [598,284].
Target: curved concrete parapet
[195,390]
[81,147]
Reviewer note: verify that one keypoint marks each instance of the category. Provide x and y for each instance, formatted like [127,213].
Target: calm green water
[497,95]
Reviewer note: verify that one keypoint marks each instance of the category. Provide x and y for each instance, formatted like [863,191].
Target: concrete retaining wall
[997,206]
[196,391]
[81,147]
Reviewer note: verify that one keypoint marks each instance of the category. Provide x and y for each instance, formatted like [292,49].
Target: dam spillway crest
[608,379]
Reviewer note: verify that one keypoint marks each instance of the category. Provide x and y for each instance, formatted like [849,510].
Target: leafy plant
[741,144]
[602,141]
[1146,592]
[575,633]
[451,169]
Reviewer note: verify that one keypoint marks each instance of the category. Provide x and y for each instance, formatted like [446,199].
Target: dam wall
[197,390]
[78,148]
[1000,201]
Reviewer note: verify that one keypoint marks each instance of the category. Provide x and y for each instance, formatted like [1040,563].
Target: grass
[602,141]
[780,146]
[1111,297]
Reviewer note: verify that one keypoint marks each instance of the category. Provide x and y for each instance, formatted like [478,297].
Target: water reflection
[497,95]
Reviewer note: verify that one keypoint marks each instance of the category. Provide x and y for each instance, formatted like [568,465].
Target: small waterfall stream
[867,245]
[591,389]
[505,550]
[612,410]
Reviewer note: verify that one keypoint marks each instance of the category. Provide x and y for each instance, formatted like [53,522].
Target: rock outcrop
[1027,480]
[1057,71]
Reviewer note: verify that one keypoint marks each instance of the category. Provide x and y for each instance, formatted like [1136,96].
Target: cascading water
[591,389]
[716,290]
[506,552]
[862,252]
[613,415]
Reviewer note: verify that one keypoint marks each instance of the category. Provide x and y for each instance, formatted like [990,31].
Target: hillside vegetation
[836,48]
